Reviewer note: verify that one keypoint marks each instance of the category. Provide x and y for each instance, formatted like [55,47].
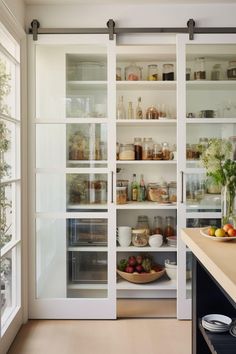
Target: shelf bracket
[191,26]
[111,27]
[34,29]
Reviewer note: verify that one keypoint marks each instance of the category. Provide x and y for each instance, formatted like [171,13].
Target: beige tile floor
[126,336]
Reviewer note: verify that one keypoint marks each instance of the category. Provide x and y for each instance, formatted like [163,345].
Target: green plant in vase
[219,165]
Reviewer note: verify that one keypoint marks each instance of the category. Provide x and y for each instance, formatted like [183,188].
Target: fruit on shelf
[132,261]
[138,265]
[226,231]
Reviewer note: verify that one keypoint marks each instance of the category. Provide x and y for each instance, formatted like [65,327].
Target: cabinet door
[72,243]
[208,110]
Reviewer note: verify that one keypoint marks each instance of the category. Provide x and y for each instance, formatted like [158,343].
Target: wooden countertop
[219,258]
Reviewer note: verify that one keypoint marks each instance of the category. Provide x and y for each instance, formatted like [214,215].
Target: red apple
[129,269]
[227,227]
[232,232]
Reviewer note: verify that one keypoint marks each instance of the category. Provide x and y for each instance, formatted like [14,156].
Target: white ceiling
[107,2]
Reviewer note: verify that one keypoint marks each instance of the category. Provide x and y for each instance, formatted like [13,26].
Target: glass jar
[166,151]
[152,113]
[172,192]
[143,224]
[169,228]
[121,197]
[97,192]
[188,74]
[157,192]
[157,225]
[118,74]
[139,238]
[231,71]
[157,152]
[168,72]
[152,72]
[200,72]
[138,148]
[217,72]
[133,73]
[124,183]
[126,152]
[212,186]
[147,149]
[202,145]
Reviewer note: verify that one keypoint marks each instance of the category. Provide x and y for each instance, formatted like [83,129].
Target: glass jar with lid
[217,72]
[200,71]
[118,74]
[166,151]
[168,72]
[152,72]
[139,238]
[126,152]
[172,192]
[157,225]
[121,196]
[133,72]
[138,148]
[157,152]
[231,71]
[169,228]
[143,224]
[152,113]
[157,192]
[147,149]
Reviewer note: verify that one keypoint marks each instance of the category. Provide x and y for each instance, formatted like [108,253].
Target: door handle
[182,187]
[112,177]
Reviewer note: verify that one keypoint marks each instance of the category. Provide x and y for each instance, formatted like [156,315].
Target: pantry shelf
[87,286]
[210,120]
[146,85]
[146,205]
[146,122]
[146,249]
[87,249]
[160,284]
[211,85]
[146,162]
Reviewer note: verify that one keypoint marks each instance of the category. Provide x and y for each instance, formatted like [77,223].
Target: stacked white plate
[216,323]
[172,241]
[232,330]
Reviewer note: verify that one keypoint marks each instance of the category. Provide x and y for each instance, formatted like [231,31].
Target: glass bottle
[139,111]
[231,71]
[142,190]
[168,72]
[138,148]
[157,225]
[130,111]
[121,114]
[169,229]
[134,189]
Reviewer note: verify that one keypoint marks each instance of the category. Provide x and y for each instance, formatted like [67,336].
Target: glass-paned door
[208,112]
[73,267]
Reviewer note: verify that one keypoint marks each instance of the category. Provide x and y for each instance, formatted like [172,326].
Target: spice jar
[166,151]
[231,71]
[169,229]
[217,72]
[200,72]
[152,72]
[147,149]
[133,73]
[172,192]
[157,225]
[126,152]
[138,148]
[168,72]
[139,238]
[152,113]
[118,74]
[121,197]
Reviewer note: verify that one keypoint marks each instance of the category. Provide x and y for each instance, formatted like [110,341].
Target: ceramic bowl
[172,273]
[155,240]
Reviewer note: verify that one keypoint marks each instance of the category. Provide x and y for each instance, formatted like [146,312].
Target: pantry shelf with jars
[117,132]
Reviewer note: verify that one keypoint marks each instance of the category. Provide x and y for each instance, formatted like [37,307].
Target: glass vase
[228,205]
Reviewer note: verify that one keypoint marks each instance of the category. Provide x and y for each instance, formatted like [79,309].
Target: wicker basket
[142,277]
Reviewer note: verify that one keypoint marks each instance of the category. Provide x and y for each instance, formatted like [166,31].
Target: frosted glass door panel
[50,146]
[6,291]
[51,258]
[87,232]
[50,192]
[86,191]
[86,145]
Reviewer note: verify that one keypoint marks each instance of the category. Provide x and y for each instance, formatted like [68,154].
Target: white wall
[149,15]
[17,8]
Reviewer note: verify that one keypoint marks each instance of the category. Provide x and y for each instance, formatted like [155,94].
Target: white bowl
[155,240]
[172,273]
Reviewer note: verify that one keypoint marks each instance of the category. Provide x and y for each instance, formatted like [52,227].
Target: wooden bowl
[142,277]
